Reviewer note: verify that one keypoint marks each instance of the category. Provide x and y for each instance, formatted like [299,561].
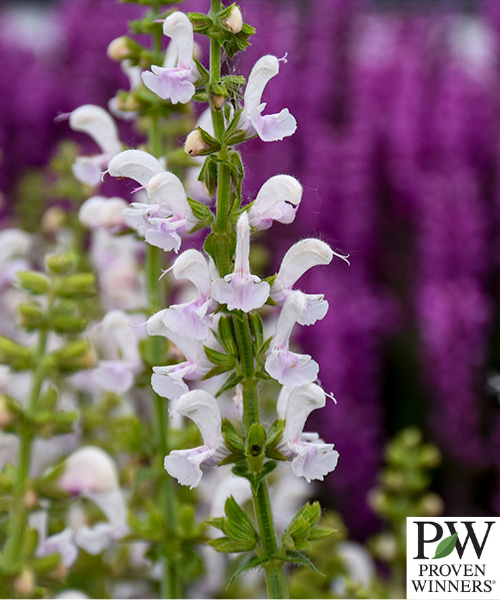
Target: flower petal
[241,293]
[277,200]
[301,257]
[314,461]
[193,266]
[291,369]
[184,465]
[135,164]
[96,122]
[203,409]
[178,27]
[264,69]
[167,190]
[301,402]
[271,128]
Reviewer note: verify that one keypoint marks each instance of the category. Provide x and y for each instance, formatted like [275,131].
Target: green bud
[234,441]
[430,457]
[80,285]
[31,316]
[61,264]
[227,335]
[255,445]
[33,282]
[72,357]
[13,354]
[67,324]
[201,23]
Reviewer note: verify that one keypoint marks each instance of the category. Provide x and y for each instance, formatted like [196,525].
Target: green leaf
[227,336]
[298,558]
[218,358]
[446,546]
[234,441]
[318,533]
[275,434]
[200,211]
[218,370]
[231,382]
[237,524]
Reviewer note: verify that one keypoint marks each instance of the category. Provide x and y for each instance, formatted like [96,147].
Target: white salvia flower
[168,381]
[14,246]
[117,346]
[241,290]
[61,542]
[278,200]
[175,83]
[287,367]
[96,122]
[135,164]
[91,473]
[71,595]
[269,127]
[133,73]
[99,211]
[191,319]
[203,409]
[301,257]
[359,565]
[310,457]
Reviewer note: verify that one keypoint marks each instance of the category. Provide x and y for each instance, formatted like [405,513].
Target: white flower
[287,367]
[268,127]
[175,83]
[14,247]
[135,164]
[99,211]
[310,457]
[191,319]
[203,409]
[91,473]
[301,257]
[62,542]
[278,200]
[96,122]
[168,381]
[241,290]
[117,347]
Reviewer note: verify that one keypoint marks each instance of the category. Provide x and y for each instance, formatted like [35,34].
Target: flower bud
[118,49]
[235,20]
[30,499]
[194,143]
[25,583]
[53,220]
[431,505]
[6,415]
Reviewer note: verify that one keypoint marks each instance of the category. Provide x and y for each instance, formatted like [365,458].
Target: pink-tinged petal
[264,69]
[166,190]
[170,84]
[271,128]
[184,465]
[88,169]
[96,539]
[63,543]
[135,164]
[164,236]
[96,122]
[291,369]
[291,312]
[168,383]
[114,376]
[314,461]
[89,470]
[277,200]
[315,310]
[189,319]
[241,293]
[136,215]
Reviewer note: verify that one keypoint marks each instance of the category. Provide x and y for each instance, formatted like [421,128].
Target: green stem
[17,523]
[170,584]
[275,577]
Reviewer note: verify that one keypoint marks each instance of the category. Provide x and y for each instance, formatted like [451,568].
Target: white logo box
[470,571]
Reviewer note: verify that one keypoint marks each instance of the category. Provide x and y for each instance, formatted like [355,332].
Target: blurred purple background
[398,149]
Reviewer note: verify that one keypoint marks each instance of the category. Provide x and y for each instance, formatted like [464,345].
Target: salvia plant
[213,346]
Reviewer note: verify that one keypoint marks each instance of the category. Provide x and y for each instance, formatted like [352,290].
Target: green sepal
[201,211]
[270,280]
[233,84]
[254,478]
[233,439]
[237,525]
[204,77]
[215,371]
[48,400]
[67,324]
[233,458]
[231,382]
[318,533]
[218,358]
[212,145]
[74,356]
[33,282]
[256,328]
[263,375]
[227,336]
[235,137]
[255,441]
[217,522]
[208,172]
[201,23]
[275,434]
[264,348]
[200,96]
[77,286]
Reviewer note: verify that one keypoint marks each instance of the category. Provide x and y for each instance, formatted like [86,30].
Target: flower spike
[204,411]
[175,83]
[241,290]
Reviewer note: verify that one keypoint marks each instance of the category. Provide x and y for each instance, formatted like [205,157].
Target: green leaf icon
[446,546]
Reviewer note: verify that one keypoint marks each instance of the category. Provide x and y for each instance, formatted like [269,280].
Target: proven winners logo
[453,557]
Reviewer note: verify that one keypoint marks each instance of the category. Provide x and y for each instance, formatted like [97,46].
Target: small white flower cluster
[164,217]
